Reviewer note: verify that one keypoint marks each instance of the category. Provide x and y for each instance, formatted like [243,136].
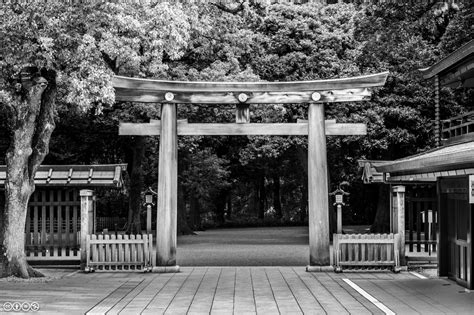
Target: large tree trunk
[136,186]
[276,196]
[382,216]
[32,122]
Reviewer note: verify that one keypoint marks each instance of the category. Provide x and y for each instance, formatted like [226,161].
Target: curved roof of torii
[332,90]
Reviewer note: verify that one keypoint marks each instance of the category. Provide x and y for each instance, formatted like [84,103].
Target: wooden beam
[136,84]
[242,114]
[237,129]
[318,194]
[198,97]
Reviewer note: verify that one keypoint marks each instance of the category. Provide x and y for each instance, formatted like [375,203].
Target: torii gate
[314,93]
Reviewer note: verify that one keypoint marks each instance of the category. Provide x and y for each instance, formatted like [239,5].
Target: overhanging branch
[232,10]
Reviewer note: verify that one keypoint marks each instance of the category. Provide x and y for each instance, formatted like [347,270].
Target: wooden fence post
[94,214]
[339,219]
[87,222]
[148,218]
[398,212]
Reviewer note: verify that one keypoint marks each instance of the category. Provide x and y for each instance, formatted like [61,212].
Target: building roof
[457,159]
[456,69]
[76,175]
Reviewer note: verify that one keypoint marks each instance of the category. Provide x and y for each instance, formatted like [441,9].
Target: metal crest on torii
[314,93]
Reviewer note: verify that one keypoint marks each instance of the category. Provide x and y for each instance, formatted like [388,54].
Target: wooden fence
[421,225]
[366,250]
[119,253]
[53,225]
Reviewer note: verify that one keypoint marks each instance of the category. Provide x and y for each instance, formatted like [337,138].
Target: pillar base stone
[165,269]
[319,268]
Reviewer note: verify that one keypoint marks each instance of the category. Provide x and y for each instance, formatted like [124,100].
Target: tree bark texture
[136,186]
[32,123]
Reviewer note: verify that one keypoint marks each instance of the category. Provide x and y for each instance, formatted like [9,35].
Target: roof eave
[448,61]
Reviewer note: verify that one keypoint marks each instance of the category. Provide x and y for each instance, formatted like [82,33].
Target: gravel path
[269,246]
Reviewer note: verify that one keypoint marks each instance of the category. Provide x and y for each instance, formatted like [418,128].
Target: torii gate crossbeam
[315,93]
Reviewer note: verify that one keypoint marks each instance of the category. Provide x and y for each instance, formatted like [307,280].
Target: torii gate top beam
[185,92]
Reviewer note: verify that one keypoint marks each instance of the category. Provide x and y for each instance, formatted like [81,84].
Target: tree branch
[44,126]
[112,63]
[231,10]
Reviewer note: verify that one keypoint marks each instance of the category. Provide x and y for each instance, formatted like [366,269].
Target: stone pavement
[239,290]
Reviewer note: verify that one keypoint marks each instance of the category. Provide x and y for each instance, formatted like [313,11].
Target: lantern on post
[339,202]
[149,203]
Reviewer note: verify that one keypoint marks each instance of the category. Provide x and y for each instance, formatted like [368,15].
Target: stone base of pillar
[165,269]
[319,268]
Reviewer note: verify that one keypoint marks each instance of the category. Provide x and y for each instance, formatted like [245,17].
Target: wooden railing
[119,253]
[366,250]
[457,129]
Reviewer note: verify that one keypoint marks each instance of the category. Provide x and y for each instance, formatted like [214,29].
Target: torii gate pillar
[318,215]
[166,225]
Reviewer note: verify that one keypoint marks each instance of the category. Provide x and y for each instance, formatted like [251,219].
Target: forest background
[232,181]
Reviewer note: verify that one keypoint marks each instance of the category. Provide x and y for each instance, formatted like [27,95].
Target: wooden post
[399,219]
[87,222]
[148,218]
[167,206]
[94,216]
[242,114]
[317,190]
[437,122]
[339,219]
[391,206]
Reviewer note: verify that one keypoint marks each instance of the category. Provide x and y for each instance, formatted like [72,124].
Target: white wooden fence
[366,250]
[119,253]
